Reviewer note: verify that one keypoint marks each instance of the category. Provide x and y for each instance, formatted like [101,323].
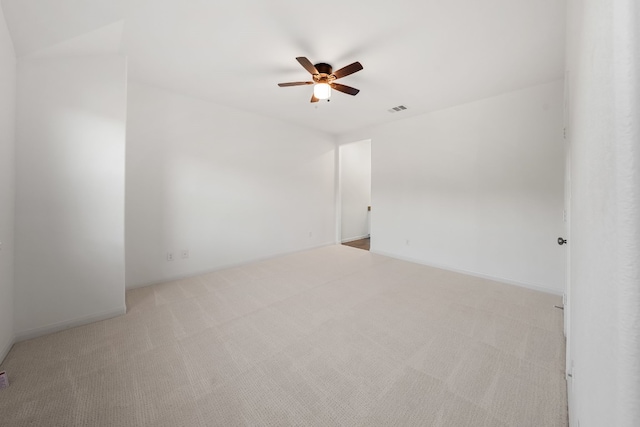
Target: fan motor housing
[324,68]
[324,73]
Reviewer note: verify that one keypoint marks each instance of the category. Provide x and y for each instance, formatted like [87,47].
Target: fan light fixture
[322,91]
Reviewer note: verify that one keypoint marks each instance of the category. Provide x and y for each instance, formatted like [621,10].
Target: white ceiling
[424,54]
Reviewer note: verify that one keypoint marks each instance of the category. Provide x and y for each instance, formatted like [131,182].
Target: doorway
[355,194]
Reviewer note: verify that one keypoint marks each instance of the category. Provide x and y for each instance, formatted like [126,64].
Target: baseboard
[353,239]
[6,349]
[224,266]
[68,324]
[532,286]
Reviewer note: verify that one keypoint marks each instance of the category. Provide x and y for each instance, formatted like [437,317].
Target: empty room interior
[408,213]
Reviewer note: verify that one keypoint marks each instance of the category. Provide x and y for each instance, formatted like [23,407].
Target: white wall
[229,186]
[603,67]
[71,115]
[476,188]
[355,189]
[7,186]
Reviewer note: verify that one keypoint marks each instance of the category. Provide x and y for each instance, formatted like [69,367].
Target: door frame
[567,297]
[338,188]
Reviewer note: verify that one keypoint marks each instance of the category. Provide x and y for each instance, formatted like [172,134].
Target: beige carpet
[332,336]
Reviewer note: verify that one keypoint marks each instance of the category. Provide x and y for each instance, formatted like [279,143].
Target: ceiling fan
[323,79]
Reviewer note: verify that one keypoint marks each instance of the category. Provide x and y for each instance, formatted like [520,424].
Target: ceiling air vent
[396,109]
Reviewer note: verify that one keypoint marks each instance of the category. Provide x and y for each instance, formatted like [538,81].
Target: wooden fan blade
[349,69]
[345,89]
[313,98]
[307,65]
[294,84]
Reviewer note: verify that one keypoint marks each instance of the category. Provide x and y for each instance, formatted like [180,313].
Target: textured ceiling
[424,54]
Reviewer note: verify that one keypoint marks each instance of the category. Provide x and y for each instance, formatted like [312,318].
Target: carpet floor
[328,337]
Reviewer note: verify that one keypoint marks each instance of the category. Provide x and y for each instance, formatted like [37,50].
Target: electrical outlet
[310,234]
[169,256]
[408,242]
[184,253]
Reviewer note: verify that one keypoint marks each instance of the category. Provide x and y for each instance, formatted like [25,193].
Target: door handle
[562,241]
